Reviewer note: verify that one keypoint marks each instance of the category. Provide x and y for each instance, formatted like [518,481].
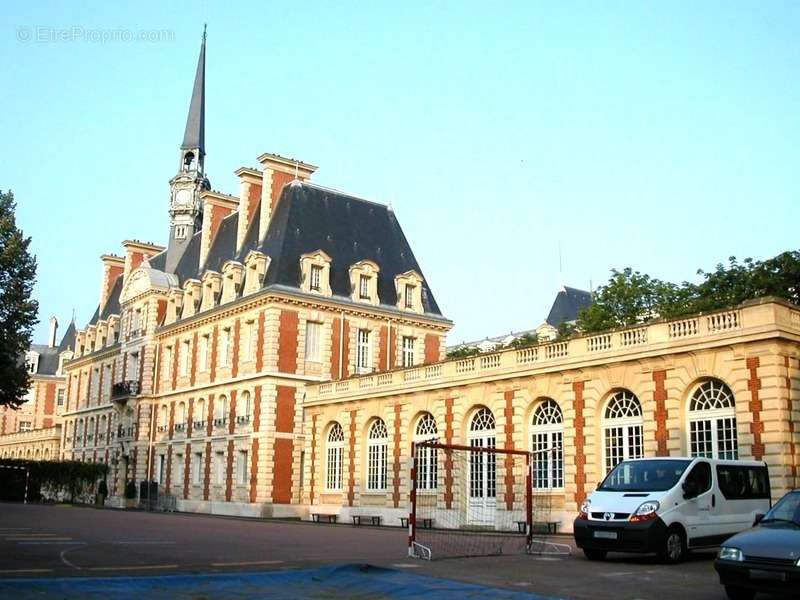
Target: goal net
[474,500]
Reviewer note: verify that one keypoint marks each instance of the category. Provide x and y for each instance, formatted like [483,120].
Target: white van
[672,504]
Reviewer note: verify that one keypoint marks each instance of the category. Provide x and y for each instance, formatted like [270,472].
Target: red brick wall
[50,398]
[431,348]
[508,412]
[257,409]
[255,200]
[580,442]
[284,409]
[169,469]
[217,214]
[260,347]
[207,471]
[187,468]
[757,426]
[161,312]
[235,353]
[193,366]
[278,181]
[114,271]
[313,456]
[335,341]
[254,470]
[282,471]
[346,350]
[229,474]
[287,342]
[660,397]
[382,348]
[232,412]
[210,414]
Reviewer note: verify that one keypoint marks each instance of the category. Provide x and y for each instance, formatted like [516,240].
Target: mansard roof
[48,357]
[112,305]
[567,305]
[308,218]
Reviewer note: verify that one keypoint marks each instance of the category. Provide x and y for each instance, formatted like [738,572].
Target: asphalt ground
[61,541]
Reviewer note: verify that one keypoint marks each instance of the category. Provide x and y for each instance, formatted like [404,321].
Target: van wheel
[595,554]
[737,593]
[673,547]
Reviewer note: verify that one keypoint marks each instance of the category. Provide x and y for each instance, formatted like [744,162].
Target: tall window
[377,443]
[409,296]
[197,461]
[335,451]
[622,429]
[249,344]
[246,409]
[313,330]
[184,358]
[225,347]
[199,412]
[363,287]
[219,467]
[181,416]
[242,470]
[178,469]
[60,400]
[221,407]
[316,277]
[202,355]
[547,433]
[482,465]
[427,465]
[408,351]
[133,366]
[363,354]
[712,421]
[167,369]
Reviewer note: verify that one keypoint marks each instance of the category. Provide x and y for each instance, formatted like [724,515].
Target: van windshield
[644,476]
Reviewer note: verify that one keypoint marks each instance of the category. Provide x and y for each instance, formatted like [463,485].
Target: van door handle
[714,500]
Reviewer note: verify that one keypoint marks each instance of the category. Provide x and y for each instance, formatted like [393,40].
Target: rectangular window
[133,367]
[312,341]
[202,358]
[363,354]
[743,483]
[25,426]
[316,277]
[61,397]
[184,358]
[197,462]
[334,464]
[167,370]
[408,351]
[242,467]
[219,468]
[409,296]
[225,348]
[161,474]
[178,470]
[363,287]
[249,342]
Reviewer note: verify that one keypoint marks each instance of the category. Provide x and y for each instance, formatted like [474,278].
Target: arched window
[482,465]
[712,421]
[547,434]
[199,413]
[221,409]
[246,408]
[164,417]
[377,442]
[622,429]
[427,467]
[334,457]
[181,416]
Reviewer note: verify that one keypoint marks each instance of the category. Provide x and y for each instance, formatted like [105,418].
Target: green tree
[17,309]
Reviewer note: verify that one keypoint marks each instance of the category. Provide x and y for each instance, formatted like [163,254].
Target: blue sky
[661,136]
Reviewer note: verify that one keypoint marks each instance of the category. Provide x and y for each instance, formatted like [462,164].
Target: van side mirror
[758,519]
[689,490]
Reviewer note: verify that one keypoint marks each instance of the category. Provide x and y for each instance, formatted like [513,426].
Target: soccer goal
[474,500]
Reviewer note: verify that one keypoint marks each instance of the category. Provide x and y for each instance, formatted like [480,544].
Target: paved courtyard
[47,542]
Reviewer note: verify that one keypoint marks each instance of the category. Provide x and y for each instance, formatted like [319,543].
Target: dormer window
[409,295]
[363,287]
[316,276]
[180,232]
[32,362]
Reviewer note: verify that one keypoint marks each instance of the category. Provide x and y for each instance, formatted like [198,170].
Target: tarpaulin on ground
[349,581]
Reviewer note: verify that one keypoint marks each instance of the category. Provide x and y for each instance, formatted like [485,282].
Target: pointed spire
[195,134]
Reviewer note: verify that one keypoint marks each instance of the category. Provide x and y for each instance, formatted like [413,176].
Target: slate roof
[308,218]
[568,303]
[112,305]
[48,357]
[195,133]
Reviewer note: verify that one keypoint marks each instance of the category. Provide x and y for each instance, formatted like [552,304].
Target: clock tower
[185,206]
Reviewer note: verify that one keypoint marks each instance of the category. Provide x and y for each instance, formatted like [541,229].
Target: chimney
[51,342]
[216,206]
[250,181]
[136,252]
[278,171]
[113,267]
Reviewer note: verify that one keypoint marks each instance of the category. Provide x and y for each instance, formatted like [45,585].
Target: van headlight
[646,511]
[728,553]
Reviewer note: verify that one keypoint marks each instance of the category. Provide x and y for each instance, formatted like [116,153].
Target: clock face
[183,198]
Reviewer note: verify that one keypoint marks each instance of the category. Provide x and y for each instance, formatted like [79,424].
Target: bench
[321,517]
[359,519]
[550,526]
[423,523]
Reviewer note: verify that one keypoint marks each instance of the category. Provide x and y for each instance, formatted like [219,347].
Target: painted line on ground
[248,563]
[131,542]
[405,566]
[51,543]
[15,528]
[12,571]
[133,568]
[65,561]
[29,535]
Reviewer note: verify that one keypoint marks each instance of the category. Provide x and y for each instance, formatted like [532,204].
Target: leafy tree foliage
[463,352]
[68,476]
[631,297]
[17,309]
